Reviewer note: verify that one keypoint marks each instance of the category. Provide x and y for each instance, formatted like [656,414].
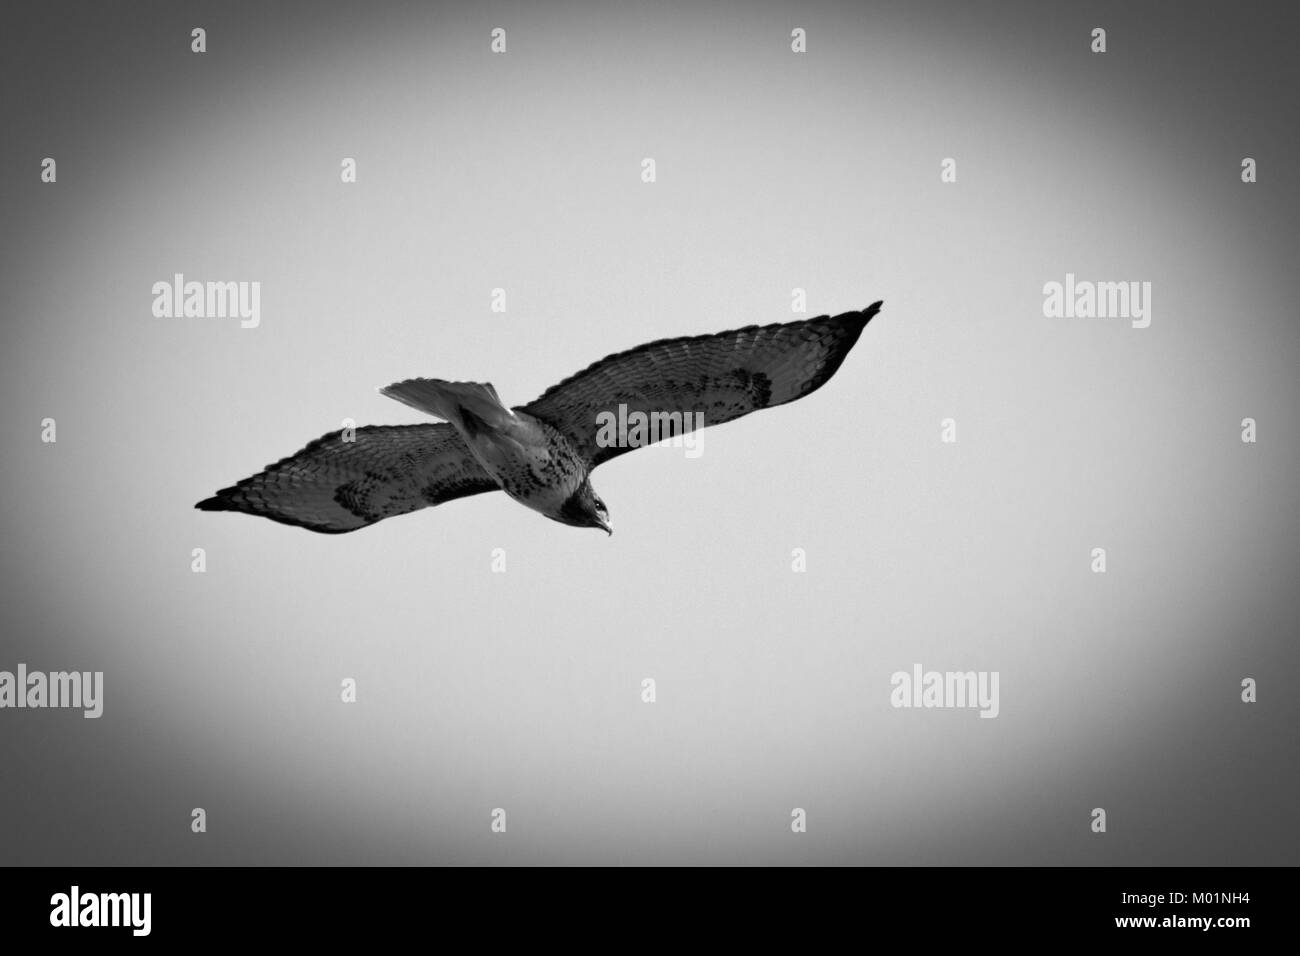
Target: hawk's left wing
[721,377]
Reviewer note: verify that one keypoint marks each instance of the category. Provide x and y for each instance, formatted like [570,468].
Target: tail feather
[462,403]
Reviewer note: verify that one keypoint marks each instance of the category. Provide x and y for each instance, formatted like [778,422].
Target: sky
[479,690]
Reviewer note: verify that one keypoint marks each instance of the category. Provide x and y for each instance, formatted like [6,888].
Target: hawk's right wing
[333,486]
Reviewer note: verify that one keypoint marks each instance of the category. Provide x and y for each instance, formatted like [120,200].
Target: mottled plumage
[540,454]
[334,486]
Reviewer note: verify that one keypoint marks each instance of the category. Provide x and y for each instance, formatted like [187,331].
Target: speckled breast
[532,462]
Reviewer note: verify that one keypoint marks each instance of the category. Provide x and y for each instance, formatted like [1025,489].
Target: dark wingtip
[860,318]
[214,504]
[867,314]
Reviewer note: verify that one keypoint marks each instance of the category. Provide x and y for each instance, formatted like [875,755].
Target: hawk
[541,454]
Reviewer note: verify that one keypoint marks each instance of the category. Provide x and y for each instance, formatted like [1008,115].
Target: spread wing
[722,377]
[333,486]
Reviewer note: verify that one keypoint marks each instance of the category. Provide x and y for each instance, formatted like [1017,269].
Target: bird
[542,454]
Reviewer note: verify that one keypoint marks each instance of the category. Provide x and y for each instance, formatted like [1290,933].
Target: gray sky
[775,170]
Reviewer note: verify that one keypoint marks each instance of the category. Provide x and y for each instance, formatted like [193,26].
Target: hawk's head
[584,509]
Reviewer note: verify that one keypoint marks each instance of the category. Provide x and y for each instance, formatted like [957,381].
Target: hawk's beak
[605,525]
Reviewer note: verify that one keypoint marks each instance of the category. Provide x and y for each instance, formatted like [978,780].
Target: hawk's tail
[467,405]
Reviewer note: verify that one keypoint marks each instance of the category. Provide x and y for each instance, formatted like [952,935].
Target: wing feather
[333,486]
[721,377]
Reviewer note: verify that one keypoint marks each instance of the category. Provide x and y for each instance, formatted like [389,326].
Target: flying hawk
[541,454]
